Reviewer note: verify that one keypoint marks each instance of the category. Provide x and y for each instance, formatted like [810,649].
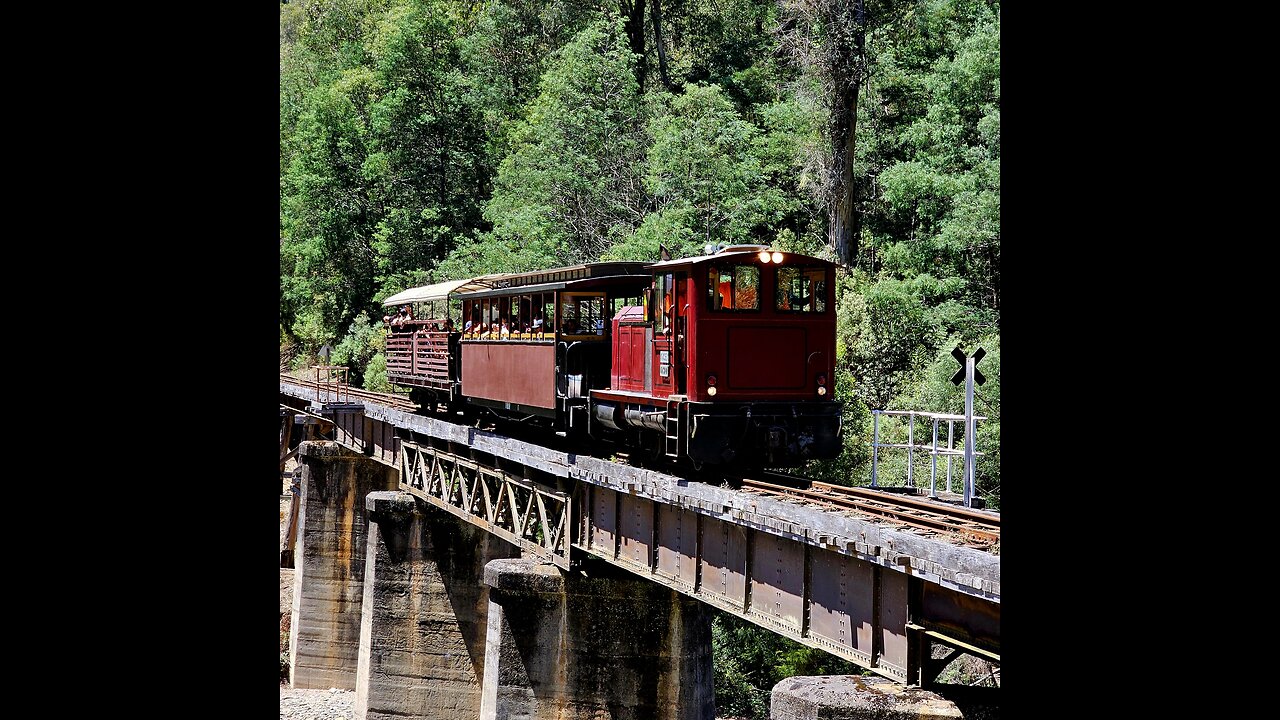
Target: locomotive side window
[801,289]
[733,288]
[664,288]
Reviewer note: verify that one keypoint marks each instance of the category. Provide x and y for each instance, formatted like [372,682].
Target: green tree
[706,182]
[428,168]
[327,257]
[748,660]
[570,187]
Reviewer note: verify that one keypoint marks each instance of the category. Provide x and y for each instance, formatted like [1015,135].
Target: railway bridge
[442,571]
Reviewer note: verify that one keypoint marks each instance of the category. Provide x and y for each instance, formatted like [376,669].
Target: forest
[430,140]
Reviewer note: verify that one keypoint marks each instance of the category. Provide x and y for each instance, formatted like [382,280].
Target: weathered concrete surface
[286,590]
[422,634]
[329,564]
[855,697]
[562,646]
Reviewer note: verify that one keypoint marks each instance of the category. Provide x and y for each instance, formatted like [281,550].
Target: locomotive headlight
[711,391]
[821,391]
[777,257]
[764,256]
[711,385]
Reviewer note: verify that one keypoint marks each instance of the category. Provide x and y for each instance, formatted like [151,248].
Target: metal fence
[934,451]
[331,383]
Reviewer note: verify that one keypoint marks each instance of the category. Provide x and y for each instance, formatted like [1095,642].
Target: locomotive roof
[734,251]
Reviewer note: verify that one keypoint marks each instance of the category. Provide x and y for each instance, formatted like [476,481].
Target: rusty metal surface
[603,532]
[678,545]
[724,561]
[960,616]
[891,620]
[519,511]
[864,612]
[777,581]
[635,521]
[842,604]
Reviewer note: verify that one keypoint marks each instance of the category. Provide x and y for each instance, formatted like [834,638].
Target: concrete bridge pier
[562,646]
[422,637]
[328,584]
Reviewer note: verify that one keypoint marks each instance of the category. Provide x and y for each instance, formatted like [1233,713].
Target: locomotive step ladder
[671,446]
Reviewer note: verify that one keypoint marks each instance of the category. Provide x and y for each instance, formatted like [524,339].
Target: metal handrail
[934,451]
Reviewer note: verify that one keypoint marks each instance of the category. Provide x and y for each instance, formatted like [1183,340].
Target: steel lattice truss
[509,506]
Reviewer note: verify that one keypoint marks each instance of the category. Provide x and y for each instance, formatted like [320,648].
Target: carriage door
[668,331]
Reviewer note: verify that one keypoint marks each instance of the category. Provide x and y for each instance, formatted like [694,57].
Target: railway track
[971,527]
[345,392]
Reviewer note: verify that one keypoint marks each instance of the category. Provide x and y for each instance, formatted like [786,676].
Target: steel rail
[933,519]
[398,402]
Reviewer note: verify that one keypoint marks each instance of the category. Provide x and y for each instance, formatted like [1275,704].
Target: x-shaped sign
[960,357]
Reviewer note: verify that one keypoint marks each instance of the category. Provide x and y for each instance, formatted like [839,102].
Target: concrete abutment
[422,638]
[329,565]
[568,646]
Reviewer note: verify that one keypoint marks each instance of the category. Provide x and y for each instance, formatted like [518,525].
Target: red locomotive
[722,359]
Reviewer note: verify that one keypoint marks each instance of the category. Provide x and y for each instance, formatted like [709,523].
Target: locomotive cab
[736,363]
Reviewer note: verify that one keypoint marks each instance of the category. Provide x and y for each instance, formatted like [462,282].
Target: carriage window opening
[582,315]
[801,289]
[490,317]
[568,315]
[733,288]
[524,315]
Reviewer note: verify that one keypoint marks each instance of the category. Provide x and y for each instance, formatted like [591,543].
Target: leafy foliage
[569,188]
[358,348]
[748,661]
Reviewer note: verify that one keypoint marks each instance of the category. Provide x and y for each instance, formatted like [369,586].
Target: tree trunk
[844,221]
[656,17]
[634,27]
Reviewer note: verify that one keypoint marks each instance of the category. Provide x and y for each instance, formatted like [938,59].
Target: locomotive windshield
[733,288]
[801,289]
